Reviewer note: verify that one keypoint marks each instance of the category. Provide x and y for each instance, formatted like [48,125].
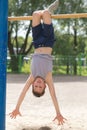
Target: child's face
[39,85]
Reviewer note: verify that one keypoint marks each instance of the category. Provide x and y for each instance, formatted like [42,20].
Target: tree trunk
[14,64]
[75,66]
[75,48]
[67,69]
[14,59]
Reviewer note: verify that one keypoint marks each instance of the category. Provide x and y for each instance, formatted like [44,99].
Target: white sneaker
[53,7]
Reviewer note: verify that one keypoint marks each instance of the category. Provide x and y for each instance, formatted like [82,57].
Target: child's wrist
[17,108]
[58,113]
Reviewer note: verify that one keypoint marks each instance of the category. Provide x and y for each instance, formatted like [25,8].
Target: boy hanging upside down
[41,65]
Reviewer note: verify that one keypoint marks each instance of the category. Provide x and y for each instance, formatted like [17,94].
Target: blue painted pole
[3,57]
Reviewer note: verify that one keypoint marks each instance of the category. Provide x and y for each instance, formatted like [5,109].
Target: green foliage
[20,41]
[26,67]
[26,7]
[63,45]
[72,6]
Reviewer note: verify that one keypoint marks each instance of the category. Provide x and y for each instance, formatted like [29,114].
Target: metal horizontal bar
[58,16]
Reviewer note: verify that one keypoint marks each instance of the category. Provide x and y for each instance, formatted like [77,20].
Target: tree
[72,26]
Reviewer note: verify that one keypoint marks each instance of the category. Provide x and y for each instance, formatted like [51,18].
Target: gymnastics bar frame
[3,59]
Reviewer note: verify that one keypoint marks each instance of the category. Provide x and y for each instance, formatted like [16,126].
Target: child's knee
[36,14]
[46,17]
[46,13]
[36,18]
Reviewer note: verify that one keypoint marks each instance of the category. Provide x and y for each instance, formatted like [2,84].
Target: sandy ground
[38,113]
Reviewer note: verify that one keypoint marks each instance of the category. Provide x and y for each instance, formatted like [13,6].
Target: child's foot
[53,7]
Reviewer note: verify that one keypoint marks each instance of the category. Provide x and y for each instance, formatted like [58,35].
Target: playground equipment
[3,50]
[3,56]
[59,16]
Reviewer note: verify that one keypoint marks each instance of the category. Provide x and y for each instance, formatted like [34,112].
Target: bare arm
[50,84]
[24,91]
[21,97]
[52,92]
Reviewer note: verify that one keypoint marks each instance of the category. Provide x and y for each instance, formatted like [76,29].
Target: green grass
[82,70]
[59,70]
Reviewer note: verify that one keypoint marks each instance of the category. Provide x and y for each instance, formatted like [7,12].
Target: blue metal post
[3,55]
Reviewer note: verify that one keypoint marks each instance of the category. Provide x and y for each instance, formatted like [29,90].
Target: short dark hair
[37,94]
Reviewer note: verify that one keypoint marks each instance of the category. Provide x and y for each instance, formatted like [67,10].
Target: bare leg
[36,18]
[46,17]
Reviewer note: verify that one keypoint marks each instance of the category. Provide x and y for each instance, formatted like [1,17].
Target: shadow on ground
[41,128]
